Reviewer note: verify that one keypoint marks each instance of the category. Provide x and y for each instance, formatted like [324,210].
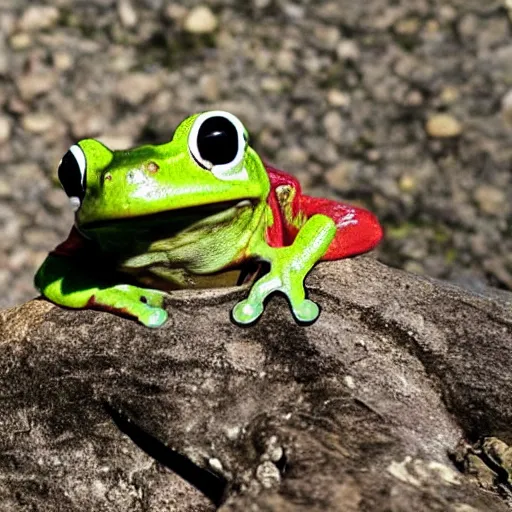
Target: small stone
[127,13]
[349,382]
[407,26]
[327,36]
[407,183]
[491,200]
[333,124]
[5,188]
[175,12]
[200,20]
[285,61]
[39,17]
[443,126]
[271,84]
[5,129]
[295,156]
[215,464]
[261,4]
[414,98]
[35,84]
[136,87]
[449,94]
[37,122]
[338,98]
[20,41]
[348,50]
[209,86]
[268,475]
[62,60]
[341,176]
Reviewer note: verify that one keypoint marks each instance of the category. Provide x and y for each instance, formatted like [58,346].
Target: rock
[62,60]
[443,126]
[5,128]
[338,98]
[20,41]
[348,50]
[136,87]
[36,84]
[333,124]
[200,20]
[491,200]
[37,122]
[38,17]
[362,406]
[210,87]
[127,13]
[341,177]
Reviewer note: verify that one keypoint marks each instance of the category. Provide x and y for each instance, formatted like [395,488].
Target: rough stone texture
[338,92]
[358,412]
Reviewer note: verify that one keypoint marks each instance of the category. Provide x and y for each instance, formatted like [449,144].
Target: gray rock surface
[358,412]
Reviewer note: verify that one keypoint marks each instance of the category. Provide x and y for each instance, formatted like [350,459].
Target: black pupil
[217,140]
[71,177]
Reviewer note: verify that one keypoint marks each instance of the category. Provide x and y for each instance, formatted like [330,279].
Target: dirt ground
[404,106]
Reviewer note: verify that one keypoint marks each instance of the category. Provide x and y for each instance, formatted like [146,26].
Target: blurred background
[403,106]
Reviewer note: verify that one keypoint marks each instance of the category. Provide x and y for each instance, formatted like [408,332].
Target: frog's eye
[72,175]
[217,141]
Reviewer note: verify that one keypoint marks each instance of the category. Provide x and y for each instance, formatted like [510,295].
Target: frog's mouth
[167,223]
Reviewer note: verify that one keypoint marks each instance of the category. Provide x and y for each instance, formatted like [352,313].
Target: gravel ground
[404,106]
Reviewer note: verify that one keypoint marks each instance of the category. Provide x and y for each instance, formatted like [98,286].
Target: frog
[184,213]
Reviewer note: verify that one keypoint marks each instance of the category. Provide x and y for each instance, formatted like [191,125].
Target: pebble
[449,94]
[491,200]
[341,176]
[338,98]
[38,17]
[333,124]
[136,87]
[348,50]
[200,20]
[268,475]
[62,60]
[20,41]
[127,13]
[210,87]
[443,126]
[37,122]
[5,128]
[36,84]
[271,84]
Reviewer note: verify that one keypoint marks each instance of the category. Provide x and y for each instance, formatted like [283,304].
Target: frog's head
[207,166]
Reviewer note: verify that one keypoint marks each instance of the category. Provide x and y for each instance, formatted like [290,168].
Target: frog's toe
[246,312]
[155,317]
[306,311]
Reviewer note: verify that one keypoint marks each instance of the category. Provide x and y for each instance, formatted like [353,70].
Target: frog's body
[182,213]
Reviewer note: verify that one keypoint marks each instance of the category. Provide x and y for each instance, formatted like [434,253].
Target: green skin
[144,210]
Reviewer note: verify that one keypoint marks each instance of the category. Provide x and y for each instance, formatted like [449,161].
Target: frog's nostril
[152,167]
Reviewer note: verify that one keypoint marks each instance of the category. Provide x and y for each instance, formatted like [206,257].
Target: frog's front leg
[72,284]
[289,267]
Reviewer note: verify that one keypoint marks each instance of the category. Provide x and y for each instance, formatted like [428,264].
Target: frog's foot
[142,303]
[288,282]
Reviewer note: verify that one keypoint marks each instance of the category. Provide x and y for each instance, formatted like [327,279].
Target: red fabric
[75,243]
[358,230]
